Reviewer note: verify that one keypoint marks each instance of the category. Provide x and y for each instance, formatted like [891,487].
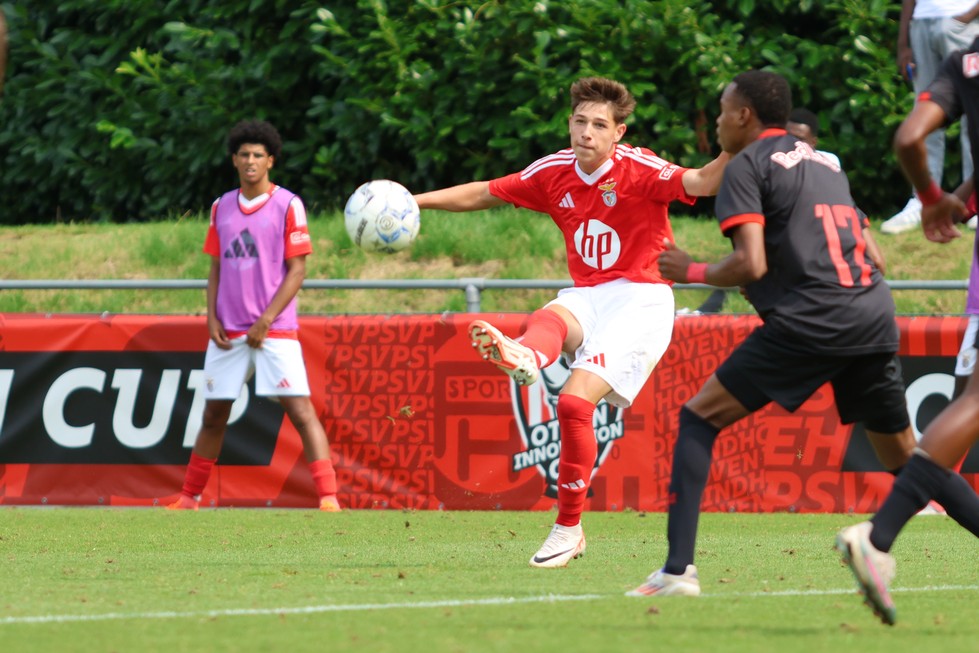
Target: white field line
[310,609]
[449,603]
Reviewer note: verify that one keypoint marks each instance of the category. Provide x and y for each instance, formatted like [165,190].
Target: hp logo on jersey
[597,244]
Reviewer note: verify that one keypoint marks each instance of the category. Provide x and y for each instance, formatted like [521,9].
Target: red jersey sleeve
[297,232]
[520,191]
[211,244]
[665,183]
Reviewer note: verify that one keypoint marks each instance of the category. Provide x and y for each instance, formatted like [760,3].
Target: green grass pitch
[103,579]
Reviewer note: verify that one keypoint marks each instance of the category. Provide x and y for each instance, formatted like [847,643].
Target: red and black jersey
[821,288]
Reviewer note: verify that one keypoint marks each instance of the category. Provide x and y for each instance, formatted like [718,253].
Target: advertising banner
[104,411]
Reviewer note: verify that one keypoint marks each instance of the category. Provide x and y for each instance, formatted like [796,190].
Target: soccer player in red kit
[610,202]
[828,315]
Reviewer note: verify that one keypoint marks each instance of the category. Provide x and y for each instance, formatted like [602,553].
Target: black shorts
[867,387]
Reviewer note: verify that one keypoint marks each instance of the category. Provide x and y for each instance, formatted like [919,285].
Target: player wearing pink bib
[610,202]
[258,242]
[246,229]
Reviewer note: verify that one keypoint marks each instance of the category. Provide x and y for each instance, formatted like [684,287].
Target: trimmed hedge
[117,110]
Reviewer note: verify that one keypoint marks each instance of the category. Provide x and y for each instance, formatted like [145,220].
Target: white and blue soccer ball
[382,216]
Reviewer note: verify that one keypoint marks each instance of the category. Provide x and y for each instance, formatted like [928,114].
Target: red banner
[105,410]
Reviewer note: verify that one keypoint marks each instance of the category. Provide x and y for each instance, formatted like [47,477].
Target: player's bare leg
[316,448]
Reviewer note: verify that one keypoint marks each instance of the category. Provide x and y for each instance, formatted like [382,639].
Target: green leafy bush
[117,110]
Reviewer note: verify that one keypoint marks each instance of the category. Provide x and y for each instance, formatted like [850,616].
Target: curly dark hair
[255,131]
[768,94]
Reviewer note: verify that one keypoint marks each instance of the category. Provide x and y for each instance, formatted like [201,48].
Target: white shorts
[626,329]
[965,362]
[278,367]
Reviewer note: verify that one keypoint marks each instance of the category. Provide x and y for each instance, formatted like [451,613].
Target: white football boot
[562,545]
[659,583]
[873,569]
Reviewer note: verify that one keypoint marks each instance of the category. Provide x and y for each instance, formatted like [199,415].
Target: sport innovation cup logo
[535,407]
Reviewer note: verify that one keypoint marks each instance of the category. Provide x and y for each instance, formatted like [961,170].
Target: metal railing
[472,286]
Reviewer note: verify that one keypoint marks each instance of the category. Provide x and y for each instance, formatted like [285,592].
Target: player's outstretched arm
[941,210]
[704,182]
[473,196]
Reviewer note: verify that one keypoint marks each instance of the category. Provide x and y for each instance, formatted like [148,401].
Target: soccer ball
[382,216]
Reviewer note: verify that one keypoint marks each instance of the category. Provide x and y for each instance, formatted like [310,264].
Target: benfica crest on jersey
[535,407]
[608,193]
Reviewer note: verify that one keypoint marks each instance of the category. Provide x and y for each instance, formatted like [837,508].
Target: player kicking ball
[610,201]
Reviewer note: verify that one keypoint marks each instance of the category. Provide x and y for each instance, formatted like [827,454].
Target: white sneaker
[506,353]
[904,220]
[565,543]
[972,222]
[659,583]
[873,569]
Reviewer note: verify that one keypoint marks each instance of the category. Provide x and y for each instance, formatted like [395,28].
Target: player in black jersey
[800,255]
[865,546]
